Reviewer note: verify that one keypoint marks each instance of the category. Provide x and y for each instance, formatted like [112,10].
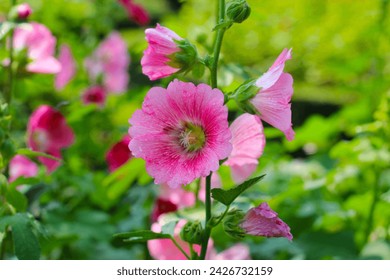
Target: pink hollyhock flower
[136,12]
[22,166]
[40,44]
[263,221]
[68,67]
[118,154]
[248,142]
[238,251]
[95,95]
[110,61]
[23,10]
[273,99]
[48,132]
[157,60]
[181,132]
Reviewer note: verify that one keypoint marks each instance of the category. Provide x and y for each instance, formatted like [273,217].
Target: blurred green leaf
[34,154]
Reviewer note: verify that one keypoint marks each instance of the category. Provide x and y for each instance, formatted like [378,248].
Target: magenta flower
[248,142]
[157,60]
[94,95]
[68,67]
[263,221]
[40,44]
[109,62]
[23,10]
[181,132]
[118,154]
[273,99]
[136,12]
[48,132]
[21,166]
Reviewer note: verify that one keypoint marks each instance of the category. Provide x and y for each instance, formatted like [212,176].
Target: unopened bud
[192,232]
[232,221]
[238,10]
[24,10]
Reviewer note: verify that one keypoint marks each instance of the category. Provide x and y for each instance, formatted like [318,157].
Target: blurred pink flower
[238,251]
[263,221]
[273,99]
[136,12]
[110,62]
[24,10]
[156,62]
[68,67]
[21,166]
[165,249]
[48,132]
[95,95]
[248,142]
[40,44]
[181,132]
[118,154]
[170,200]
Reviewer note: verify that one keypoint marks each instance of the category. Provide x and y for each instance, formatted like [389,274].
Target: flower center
[192,137]
[40,138]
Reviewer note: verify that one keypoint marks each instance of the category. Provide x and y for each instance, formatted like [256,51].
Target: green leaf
[5,28]
[24,181]
[26,244]
[17,199]
[32,154]
[226,197]
[141,236]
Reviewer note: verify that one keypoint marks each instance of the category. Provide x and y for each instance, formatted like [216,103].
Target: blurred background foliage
[331,184]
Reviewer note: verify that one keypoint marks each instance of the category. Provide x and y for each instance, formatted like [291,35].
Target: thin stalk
[370,220]
[218,43]
[180,248]
[207,230]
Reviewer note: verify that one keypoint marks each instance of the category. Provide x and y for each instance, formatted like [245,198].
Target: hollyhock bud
[263,221]
[238,10]
[167,53]
[118,154]
[192,232]
[232,221]
[136,12]
[24,10]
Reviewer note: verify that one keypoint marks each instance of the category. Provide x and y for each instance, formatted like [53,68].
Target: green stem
[223,216]
[207,230]
[218,43]
[370,220]
[214,84]
[180,248]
